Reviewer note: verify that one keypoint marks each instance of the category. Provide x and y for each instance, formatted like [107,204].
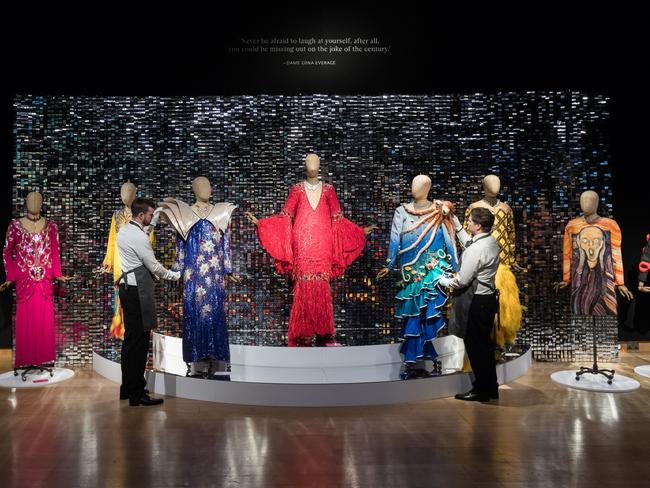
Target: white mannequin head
[420,187]
[589,202]
[127,193]
[202,189]
[312,165]
[491,185]
[34,202]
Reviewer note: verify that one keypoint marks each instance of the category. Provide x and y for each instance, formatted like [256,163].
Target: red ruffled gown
[32,262]
[314,245]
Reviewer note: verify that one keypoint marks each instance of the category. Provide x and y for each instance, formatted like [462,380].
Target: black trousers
[135,348]
[478,344]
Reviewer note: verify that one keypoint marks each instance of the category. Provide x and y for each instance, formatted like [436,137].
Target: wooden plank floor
[78,434]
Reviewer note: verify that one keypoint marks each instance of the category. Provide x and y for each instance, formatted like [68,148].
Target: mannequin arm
[231,278]
[382,272]
[560,285]
[516,267]
[251,218]
[625,292]
[369,228]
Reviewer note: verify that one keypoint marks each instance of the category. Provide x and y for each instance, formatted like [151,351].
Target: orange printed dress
[593,265]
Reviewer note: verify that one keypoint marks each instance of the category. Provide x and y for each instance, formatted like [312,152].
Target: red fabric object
[32,262]
[315,245]
[349,241]
[275,235]
[35,341]
[311,311]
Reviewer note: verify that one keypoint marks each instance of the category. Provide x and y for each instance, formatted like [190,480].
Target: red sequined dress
[314,245]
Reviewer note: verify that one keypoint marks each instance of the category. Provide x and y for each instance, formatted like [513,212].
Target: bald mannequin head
[127,193]
[201,188]
[34,202]
[491,185]
[589,202]
[420,187]
[312,165]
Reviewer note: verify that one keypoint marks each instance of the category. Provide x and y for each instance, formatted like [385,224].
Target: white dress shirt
[479,261]
[135,250]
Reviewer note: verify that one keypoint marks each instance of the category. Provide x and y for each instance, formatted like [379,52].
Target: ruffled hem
[419,304]
[423,294]
[416,349]
[311,311]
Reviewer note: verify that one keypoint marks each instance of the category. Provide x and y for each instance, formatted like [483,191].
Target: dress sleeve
[54,242]
[567,255]
[617,256]
[110,247]
[275,233]
[179,260]
[227,257]
[395,240]
[510,245]
[152,238]
[11,268]
[468,210]
[349,239]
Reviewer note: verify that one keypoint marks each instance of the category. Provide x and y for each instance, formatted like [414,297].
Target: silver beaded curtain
[547,147]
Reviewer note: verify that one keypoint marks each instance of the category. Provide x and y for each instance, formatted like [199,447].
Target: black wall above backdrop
[426,50]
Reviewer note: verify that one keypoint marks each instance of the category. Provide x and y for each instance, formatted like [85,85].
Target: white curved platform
[643,370]
[35,379]
[308,365]
[315,394]
[595,382]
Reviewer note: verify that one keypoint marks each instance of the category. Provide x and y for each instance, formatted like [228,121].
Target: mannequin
[422,247]
[644,267]
[312,240]
[504,232]
[31,258]
[111,263]
[203,258]
[639,313]
[593,264]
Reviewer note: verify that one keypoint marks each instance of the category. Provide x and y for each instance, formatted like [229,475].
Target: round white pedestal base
[35,379]
[595,382]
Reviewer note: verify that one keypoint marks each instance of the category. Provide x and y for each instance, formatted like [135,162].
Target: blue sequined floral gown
[204,260]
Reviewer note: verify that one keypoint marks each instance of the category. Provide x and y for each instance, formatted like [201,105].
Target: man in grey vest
[136,289]
[475,302]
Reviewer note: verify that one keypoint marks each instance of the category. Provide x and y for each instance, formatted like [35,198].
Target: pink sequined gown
[32,263]
[314,245]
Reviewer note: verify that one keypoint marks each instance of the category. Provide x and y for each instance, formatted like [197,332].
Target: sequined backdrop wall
[546,148]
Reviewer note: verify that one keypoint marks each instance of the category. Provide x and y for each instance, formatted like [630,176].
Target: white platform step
[364,390]
[352,364]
